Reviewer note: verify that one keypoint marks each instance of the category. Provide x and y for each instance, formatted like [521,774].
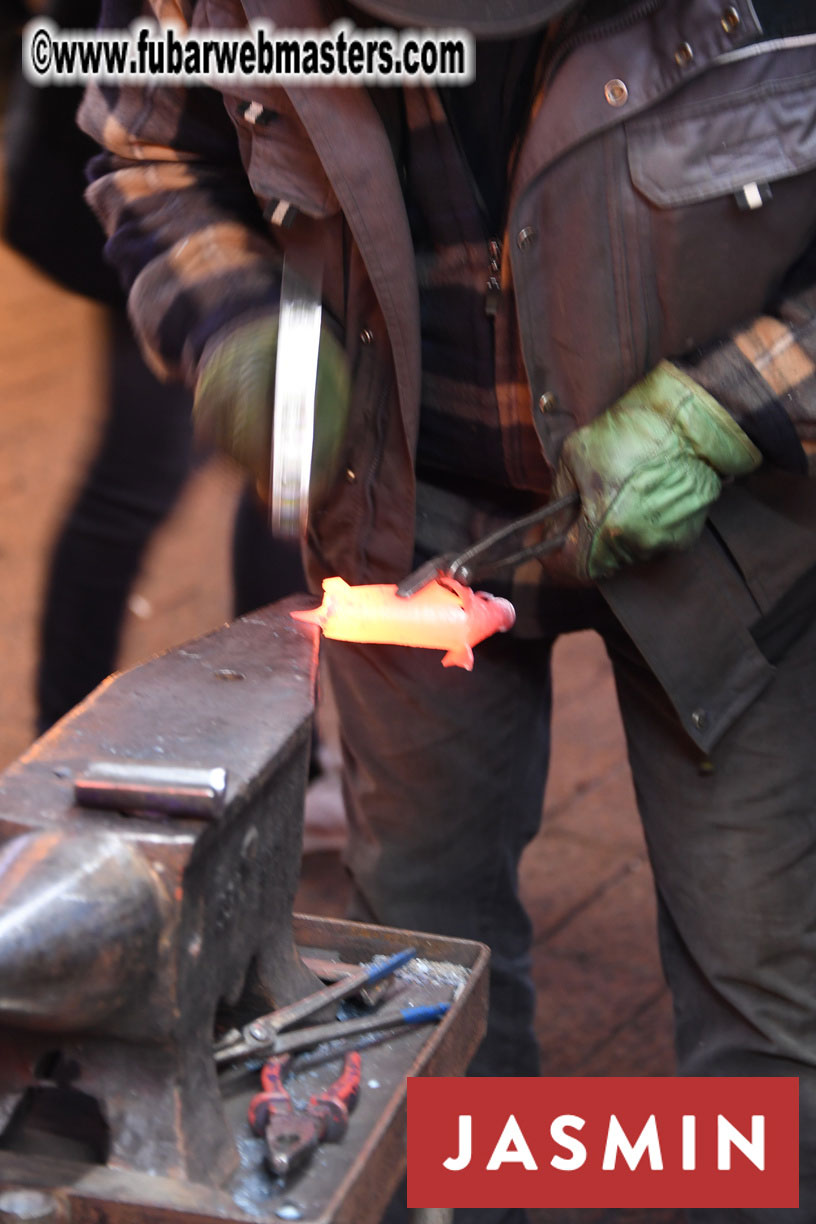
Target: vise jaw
[122,935]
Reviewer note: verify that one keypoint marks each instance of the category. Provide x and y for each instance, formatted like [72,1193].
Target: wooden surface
[603,1008]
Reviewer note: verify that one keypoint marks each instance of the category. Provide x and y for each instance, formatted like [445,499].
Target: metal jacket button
[700,719]
[684,55]
[616,92]
[525,237]
[730,20]
[366,336]
[547,402]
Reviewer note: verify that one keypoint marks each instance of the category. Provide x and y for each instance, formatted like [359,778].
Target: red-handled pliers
[292,1134]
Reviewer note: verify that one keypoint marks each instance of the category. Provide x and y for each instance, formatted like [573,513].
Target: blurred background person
[145,451]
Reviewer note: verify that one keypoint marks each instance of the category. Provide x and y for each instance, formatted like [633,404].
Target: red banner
[603,1143]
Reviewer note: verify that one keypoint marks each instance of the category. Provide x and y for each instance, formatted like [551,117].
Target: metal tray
[346,1183]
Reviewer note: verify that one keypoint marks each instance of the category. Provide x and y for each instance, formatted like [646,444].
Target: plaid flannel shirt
[185,232]
[765,375]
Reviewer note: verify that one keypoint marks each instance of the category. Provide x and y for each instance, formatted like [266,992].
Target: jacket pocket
[723,194]
[713,150]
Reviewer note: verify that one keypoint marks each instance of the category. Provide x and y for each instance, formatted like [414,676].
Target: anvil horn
[80,919]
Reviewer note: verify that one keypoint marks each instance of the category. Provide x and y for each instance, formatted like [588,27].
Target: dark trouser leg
[139,470]
[445,774]
[734,856]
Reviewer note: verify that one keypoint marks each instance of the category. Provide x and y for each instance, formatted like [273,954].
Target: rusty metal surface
[62,941]
[347,1183]
[120,936]
[126,939]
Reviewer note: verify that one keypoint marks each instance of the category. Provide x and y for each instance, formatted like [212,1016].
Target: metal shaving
[423,972]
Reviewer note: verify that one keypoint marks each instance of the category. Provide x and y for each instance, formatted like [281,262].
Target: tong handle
[475,560]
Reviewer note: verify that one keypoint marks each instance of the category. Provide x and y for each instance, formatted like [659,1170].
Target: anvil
[122,935]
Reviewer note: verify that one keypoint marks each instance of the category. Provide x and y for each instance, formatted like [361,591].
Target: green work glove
[647,471]
[235,394]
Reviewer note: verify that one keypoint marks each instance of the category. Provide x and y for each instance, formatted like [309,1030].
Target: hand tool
[486,556]
[293,420]
[293,1133]
[334,1030]
[333,970]
[260,1035]
[135,786]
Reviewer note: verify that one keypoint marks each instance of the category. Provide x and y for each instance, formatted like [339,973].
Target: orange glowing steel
[452,618]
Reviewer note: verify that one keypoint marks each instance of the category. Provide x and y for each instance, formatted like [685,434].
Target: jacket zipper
[493,291]
[493,286]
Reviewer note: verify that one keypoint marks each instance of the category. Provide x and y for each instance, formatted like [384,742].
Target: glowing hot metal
[449,617]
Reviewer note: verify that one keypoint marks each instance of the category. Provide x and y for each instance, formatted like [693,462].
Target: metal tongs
[260,1036]
[489,555]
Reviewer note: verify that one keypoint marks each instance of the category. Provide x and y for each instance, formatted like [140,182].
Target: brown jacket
[632,235]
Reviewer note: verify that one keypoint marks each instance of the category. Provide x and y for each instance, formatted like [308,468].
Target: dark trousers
[142,462]
[446,772]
